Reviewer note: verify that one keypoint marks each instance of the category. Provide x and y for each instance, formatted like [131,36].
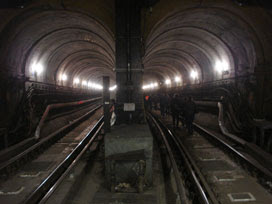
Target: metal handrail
[38,144]
[58,105]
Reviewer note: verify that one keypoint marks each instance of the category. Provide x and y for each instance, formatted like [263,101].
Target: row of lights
[86,84]
[154,85]
[193,75]
[150,86]
[169,82]
[37,69]
[220,66]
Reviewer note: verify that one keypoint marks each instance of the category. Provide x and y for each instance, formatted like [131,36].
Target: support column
[106,103]
[129,69]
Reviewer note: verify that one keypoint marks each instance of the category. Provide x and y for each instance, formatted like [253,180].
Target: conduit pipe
[58,105]
[223,128]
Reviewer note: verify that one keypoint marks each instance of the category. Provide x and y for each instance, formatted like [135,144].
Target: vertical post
[106,103]
[129,69]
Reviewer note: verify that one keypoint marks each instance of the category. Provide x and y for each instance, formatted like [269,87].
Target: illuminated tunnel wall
[58,47]
[213,42]
[215,39]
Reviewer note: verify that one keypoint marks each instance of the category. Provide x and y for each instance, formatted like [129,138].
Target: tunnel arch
[47,36]
[206,34]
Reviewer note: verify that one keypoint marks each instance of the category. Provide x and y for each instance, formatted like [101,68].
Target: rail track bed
[221,177]
[187,169]
[20,187]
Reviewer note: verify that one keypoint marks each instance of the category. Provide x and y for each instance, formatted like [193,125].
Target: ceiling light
[63,77]
[76,81]
[37,68]
[177,79]
[194,74]
[221,66]
[113,88]
[167,81]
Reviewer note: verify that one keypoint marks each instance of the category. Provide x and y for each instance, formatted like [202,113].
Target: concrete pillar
[106,103]
[129,69]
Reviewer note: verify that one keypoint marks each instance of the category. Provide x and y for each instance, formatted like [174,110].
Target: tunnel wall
[177,35]
[58,39]
[194,35]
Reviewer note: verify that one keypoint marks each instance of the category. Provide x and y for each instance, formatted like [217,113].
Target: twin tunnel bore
[200,44]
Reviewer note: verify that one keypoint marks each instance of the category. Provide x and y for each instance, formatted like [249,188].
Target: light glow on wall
[37,68]
[150,86]
[63,77]
[194,74]
[221,66]
[167,81]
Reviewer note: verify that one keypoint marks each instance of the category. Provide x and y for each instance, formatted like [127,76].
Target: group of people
[181,108]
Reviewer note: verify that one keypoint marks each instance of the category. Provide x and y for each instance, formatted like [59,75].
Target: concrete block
[127,139]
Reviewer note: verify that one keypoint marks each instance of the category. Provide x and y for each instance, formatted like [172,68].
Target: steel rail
[246,157]
[180,187]
[46,139]
[205,192]
[50,184]
[202,185]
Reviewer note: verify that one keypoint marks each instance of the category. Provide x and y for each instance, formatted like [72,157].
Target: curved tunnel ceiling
[80,46]
[59,42]
[201,39]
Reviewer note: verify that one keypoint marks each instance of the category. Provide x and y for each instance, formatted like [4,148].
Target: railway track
[206,170]
[16,156]
[40,168]
[211,171]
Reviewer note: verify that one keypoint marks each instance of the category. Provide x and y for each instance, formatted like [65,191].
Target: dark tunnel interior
[136,101]
[184,45]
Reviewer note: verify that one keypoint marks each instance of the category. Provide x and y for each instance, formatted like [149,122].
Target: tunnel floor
[228,178]
[93,189]
[231,182]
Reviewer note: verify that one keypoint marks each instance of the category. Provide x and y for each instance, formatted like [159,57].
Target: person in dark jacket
[174,106]
[163,104]
[189,113]
[182,102]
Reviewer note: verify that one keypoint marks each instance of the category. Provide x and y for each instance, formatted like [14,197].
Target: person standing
[174,105]
[189,112]
[163,104]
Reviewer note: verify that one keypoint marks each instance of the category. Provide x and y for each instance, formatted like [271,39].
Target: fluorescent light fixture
[63,77]
[37,68]
[194,74]
[177,79]
[92,85]
[167,81]
[113,88]
[150,86]
[76,81]
[221,66]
